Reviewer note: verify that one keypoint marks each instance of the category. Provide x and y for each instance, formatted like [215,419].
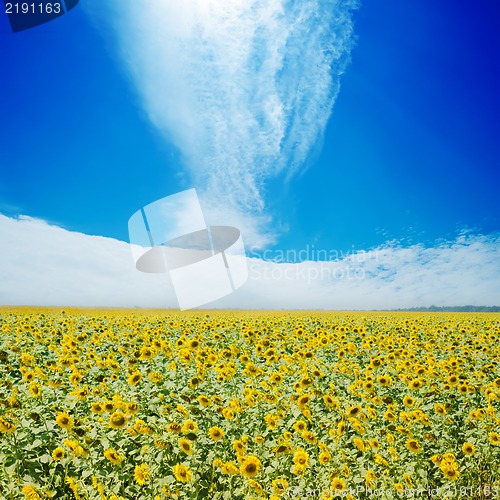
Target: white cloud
[47,265]
[244,88]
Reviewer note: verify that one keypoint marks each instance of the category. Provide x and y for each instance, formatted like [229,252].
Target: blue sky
[409,154]
[411,151]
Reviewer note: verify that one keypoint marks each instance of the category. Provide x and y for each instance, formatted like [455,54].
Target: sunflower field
[122,404]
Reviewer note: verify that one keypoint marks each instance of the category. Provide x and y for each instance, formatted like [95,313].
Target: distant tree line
[453,309]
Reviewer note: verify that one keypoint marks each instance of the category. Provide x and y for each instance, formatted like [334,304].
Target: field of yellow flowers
[120,404]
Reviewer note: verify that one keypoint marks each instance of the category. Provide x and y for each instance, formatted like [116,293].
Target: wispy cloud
[465,271]
[47,265]
[244,88]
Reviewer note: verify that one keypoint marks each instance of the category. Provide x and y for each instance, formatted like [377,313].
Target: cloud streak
[243,88]
[47,265]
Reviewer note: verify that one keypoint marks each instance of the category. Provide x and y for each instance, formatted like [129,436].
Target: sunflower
[407,479]
[271,421]
[228,413]
[358,443]
[58,453]
[323,447]
[357,425]
[468,448]
[256,486]
[300,426]
[450,472]
[408,401]
[399,487]
[30,493]
[353,411]
[239,446]
[440,409]
[306,382]
[189,426]
[250,466]
[162,445]
[73,446]
[478,414]
[81,394]
[134,378]
[416,383]
[204,400]
[194,382]
[310,437]
[271,398]
[113,456]
[65,421]
[324,457]
[146,353]
[186,446]
[182,473]
[141,474]
[6,426]
[230,468]
[194,344]
[301,457]
[370,479]
[494,438]
[279,486]
[283,448]
[109,406]
[117,420]
[216,433]
[329,401]
[338,485]
[35,390]
[251,370]
[96,407]
[389,415]
[303,401]
[132,408]
[174,428]
[413,445]
[379,459]
[155,377]
[340,428]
